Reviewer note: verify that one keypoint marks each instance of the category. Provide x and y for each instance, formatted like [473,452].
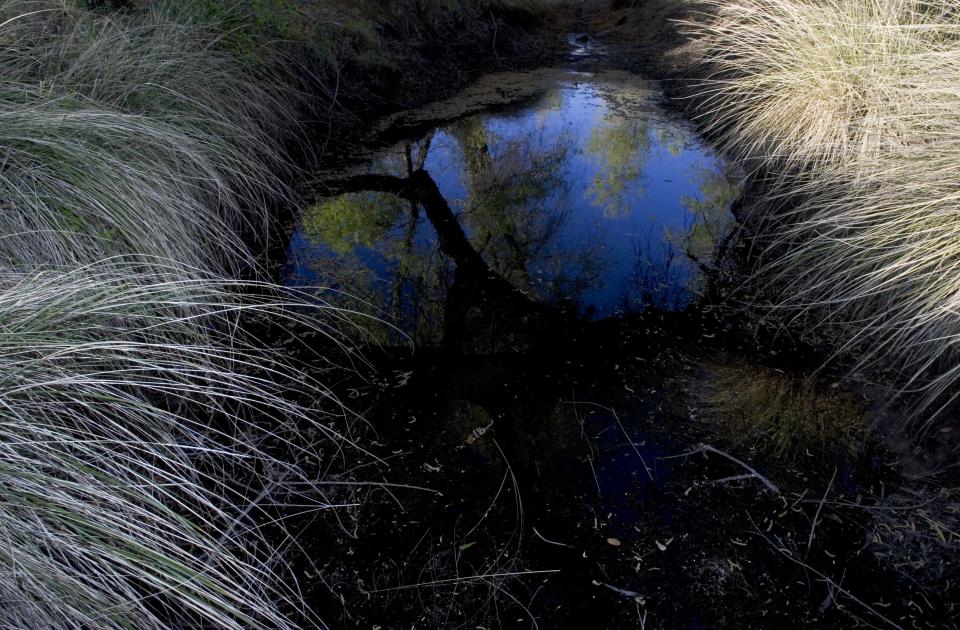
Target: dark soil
[559,487]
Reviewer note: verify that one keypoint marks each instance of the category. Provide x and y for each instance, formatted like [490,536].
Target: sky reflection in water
[592,197]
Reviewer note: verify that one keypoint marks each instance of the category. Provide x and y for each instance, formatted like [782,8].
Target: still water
[587,195]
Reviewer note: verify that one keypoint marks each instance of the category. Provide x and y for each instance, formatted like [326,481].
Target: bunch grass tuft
[132,134]
[149,442]
[848,112]
[142,443]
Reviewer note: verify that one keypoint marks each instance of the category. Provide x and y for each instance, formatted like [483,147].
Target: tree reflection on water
[592,200]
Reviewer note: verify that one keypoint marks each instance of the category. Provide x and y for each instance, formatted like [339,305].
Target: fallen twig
[623,429]
[816,517]
[706,448]
[832,587]
[552,542]
[469,578]
[619,591]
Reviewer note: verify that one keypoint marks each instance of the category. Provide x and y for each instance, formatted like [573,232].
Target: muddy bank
[572,494]
[424,59]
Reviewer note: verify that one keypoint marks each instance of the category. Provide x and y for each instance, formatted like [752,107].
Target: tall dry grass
[143,444]
[132,134]
[848,111]
[145,438]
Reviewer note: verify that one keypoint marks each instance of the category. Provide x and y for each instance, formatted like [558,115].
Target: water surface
[588,195]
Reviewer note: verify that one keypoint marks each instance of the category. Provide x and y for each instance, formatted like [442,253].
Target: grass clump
[849,113]
[785,414]
[131,134]
[796,84]
[148,445]
[139,443]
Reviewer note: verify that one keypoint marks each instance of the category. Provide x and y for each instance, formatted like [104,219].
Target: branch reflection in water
[592,199]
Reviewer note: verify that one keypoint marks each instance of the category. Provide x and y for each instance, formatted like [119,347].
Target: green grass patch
[785,415]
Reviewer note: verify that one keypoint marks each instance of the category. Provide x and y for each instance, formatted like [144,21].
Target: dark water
[588,196]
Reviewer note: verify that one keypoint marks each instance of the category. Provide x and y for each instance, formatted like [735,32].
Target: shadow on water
[539,268]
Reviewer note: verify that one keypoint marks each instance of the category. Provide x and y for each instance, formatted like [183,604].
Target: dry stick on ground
[620,591]
[827,580]
[816,517]
[648,470]
[553,542]
[468,578]
[752,472]
[583,436]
